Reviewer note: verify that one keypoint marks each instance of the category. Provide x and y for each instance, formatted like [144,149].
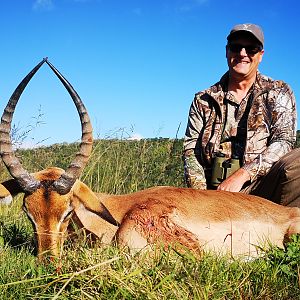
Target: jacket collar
[218,90]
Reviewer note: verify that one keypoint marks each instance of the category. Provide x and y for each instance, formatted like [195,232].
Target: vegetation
[98,271]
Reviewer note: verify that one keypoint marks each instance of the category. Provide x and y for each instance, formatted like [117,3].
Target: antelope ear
[5,196]
[8,189]
[83,196]
[94,224]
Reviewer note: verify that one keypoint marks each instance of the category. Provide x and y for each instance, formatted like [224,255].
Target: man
[248,116]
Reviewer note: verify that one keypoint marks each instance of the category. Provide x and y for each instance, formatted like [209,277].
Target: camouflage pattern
[267,128]
[194,173]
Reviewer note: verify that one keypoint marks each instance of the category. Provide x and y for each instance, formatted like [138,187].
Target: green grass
[98,271]
[116,166]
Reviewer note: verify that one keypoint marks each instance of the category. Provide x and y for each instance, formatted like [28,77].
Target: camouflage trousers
[282,183]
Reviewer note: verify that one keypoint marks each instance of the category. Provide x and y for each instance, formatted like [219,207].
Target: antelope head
[48,194]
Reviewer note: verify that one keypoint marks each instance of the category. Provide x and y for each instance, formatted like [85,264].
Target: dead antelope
[218,221]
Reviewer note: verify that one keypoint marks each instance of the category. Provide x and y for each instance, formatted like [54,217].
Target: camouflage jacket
[271,128]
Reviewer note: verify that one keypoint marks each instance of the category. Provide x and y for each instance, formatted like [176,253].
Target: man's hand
[235,182]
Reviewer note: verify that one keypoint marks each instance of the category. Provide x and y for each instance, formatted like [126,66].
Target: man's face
[243,54]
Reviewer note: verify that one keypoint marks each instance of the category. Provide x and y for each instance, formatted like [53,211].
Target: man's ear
[8,189]
[83,196]
[261,55]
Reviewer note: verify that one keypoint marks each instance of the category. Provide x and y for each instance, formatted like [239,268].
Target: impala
[200,220]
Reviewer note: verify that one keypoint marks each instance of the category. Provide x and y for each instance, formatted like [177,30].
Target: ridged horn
[27,182]
[64,184]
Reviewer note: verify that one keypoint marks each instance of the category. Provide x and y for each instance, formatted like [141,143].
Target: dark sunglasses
[251,49]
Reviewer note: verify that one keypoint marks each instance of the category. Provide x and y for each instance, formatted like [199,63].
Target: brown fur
[224,222]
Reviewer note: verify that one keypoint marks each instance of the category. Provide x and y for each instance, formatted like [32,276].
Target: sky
[136,64]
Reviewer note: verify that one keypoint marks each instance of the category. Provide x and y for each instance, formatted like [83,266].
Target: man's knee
[281,184]
[290,174]
[290,160]
[291,165]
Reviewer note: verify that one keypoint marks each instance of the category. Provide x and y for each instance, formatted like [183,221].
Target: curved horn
[27,182]
[64,184]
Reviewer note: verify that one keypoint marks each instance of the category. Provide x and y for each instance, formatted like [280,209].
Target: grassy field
[97,271]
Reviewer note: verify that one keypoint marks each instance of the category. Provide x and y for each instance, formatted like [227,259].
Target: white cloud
[43,5]
[26,145]
[135,137]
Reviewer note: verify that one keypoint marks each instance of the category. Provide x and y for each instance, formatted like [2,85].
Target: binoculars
[223,168]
